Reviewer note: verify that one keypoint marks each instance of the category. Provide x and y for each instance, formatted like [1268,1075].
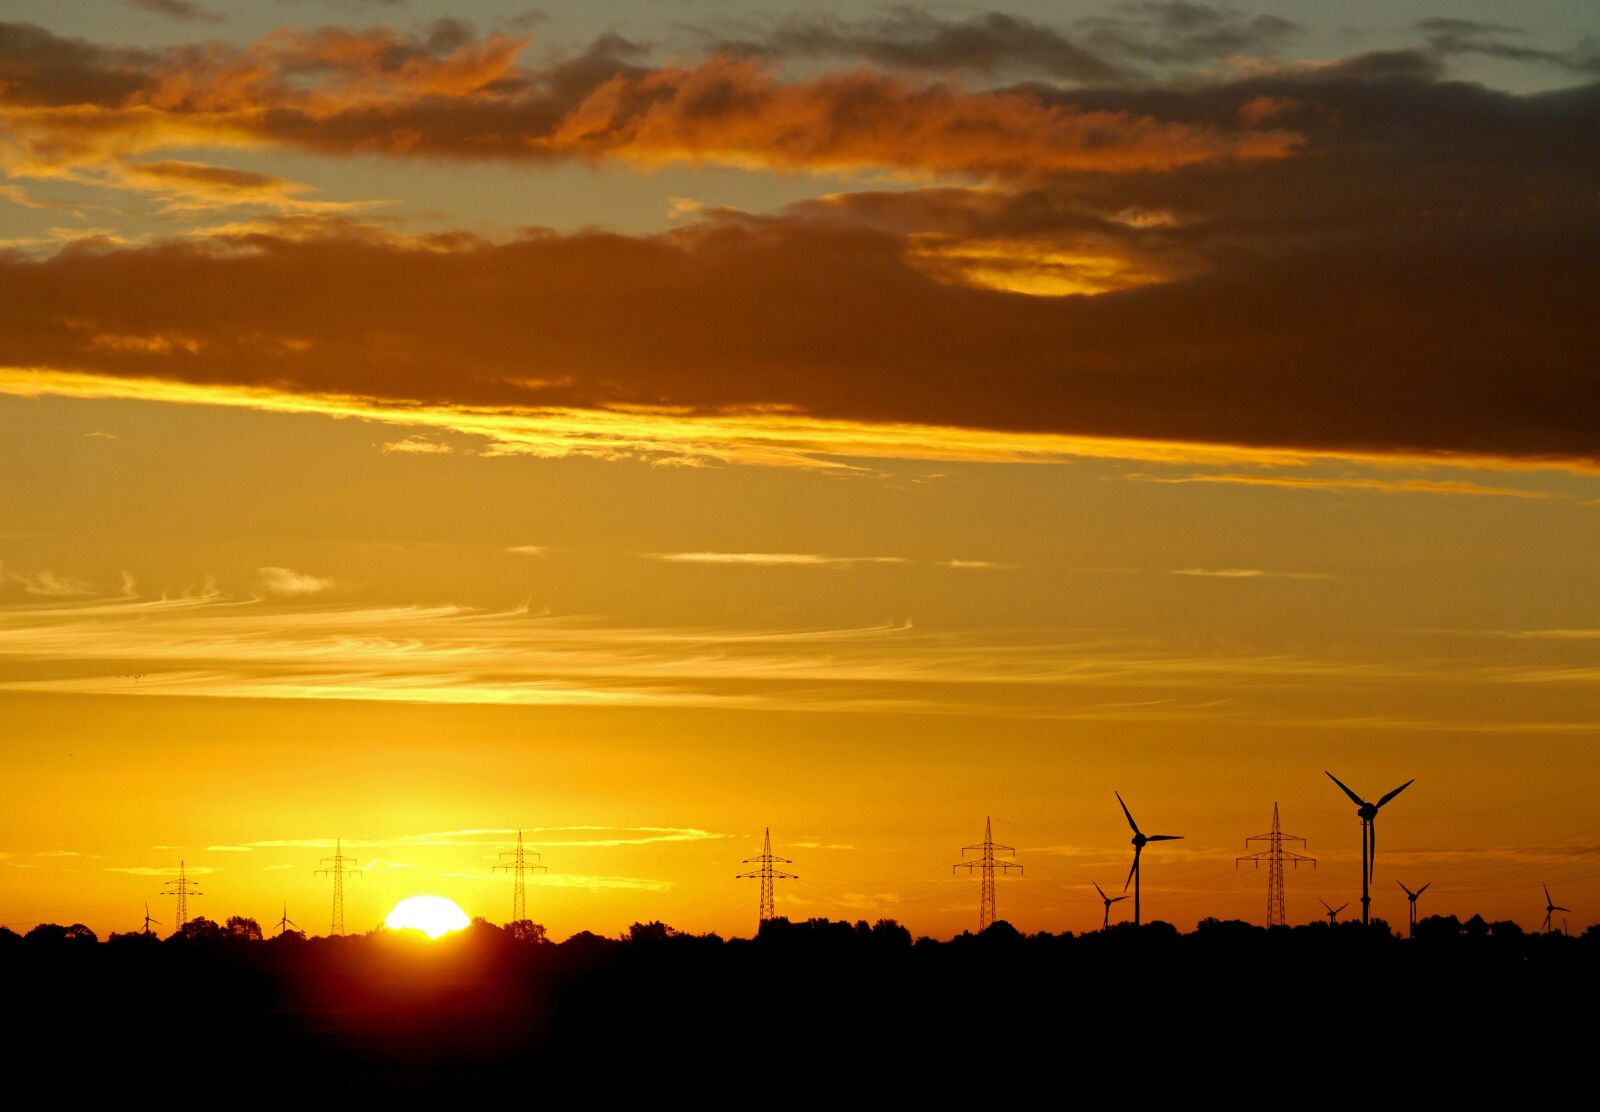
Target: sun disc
[434,916]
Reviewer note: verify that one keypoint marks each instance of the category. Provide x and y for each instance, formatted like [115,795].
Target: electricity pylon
[518,865]
[1275,855]
[180,889]
[987,863]
[766,874]
[338,866]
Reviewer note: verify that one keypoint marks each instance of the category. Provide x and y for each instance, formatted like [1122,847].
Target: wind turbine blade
[1397,791]
[1567,909]
[1136,852]
[1165,838]
[1102,891]
[1340,908]
[1547,898]
[1119,899]
[1125,811]
[1425,887]
[1324,903]
[1354,798]
[1406,890]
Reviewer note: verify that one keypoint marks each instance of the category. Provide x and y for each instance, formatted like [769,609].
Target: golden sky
[642,426]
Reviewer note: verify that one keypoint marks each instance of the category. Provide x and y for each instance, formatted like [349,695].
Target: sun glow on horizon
[434,916]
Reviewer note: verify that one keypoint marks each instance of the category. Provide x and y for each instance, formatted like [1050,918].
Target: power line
[338,866]
[767,874]
[517,866]
[1275,855]
[987,864]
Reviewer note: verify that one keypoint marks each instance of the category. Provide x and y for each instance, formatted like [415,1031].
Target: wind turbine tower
[1140,840]
[1412,896]
[1368,813]
[1550,908]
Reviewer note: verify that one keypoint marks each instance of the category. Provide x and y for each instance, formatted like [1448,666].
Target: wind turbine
[1412,896]
[1550,908]
[157,922]
[1106,922]
[286,922]
[1139,841]
[1333,912]
[1369,838]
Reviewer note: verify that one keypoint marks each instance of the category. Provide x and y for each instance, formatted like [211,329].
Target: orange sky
[857,425]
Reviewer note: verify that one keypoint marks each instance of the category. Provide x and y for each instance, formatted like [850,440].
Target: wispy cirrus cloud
[418,446]
[1249,573]
[603,837]
[1449,487]
[773,559]
[212,646]
[162,870]
[288,583]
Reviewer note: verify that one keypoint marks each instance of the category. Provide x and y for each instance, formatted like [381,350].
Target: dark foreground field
[807,1013]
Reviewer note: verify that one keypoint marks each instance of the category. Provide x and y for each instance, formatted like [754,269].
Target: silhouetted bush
[240,929]
[53,933]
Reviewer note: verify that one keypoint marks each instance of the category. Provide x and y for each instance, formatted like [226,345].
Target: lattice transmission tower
[766,874]
[987,863]
[517,866]
[1275,856]
[338,866]
[180,890]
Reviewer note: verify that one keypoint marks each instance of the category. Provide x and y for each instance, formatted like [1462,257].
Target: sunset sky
[642,424]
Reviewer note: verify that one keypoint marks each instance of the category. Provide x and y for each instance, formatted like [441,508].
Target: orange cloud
[347,91]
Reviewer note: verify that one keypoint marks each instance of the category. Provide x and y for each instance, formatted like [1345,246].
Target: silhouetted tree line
[822,933]
[477,1010]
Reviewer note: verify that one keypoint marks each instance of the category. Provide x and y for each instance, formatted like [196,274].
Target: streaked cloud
[227,849]
[416,445]
[979,565]
[1349,485]
[772,559]
[606,837]
[152,870]
[1249,573]
[209,645]
[47,584]
[288,583]
[528,549]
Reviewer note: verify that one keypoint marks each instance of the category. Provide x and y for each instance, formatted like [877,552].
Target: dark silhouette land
[864,1006]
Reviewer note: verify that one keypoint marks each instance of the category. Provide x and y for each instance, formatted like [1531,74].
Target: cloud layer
[1355,257]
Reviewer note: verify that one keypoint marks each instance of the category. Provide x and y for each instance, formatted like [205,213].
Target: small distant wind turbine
[1369,838]
[1333,912]
[1412,896]
[157,922]
[1139,841]
[1550,908]
[286,922]
[1106,922]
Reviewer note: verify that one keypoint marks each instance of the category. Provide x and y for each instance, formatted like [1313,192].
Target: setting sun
[434,916]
